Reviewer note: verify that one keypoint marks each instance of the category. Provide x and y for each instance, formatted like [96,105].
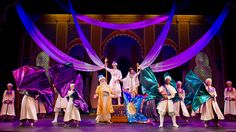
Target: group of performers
[155,102]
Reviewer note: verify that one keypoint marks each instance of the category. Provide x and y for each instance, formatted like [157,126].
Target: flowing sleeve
[225,96]
[173,92]
[120,75]
[215,93]
[183,94]
[108,69]
[13,96]
[4,96]
[97,90]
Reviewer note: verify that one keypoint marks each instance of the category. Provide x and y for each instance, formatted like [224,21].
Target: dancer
[180,107]
[230,103]
[28,108]
[104,107]
[8,108]
[61,103]
[131,82]
[116,76]
[133,103]
[72,113]
[166,104]
[210,109]
[149,86]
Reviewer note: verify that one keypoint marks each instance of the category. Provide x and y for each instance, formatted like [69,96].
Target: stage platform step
[120,114]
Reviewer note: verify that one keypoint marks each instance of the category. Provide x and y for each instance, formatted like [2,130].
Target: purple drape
[32,79]
[193,50]
[62,76]
[92,54]
[35,81]
[154,52]
[49,47]
[129,26]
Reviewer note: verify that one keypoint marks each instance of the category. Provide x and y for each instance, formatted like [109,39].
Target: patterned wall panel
[49,31]
[106,32]
[72,32]
[196,31]
[173,32]
[139,32]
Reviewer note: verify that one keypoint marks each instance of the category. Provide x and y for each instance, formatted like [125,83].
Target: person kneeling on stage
[28,108]
[166,104]
[210,109]
[72,113]
[61,103]
[104,107]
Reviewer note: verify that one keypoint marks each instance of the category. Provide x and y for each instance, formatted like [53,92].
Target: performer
[116,76]
[40,108]
[210,109]
[104,107]
[8,108]
[230,103]
[133,103]
[180,107]
[131,82]
[166,104]
[72,113]
[28,108]
[149,86]
[61,103]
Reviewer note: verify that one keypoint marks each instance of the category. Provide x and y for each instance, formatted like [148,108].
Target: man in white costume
[230,100]
[166,104]
[8,108]
[116,77]
[61,103]
[72,113]
[210,109]
[131,82]
[28,109]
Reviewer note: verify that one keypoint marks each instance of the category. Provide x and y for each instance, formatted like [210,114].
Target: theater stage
[88,124]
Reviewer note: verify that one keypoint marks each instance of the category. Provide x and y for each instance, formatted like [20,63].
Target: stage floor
[88,124]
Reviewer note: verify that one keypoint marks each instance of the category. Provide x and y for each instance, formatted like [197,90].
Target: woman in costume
[133,103]
[230,101]
[104,107]
[166,104]
[28,108]
[61,103]
[210,109]
[180,107]
[72,113]
[131,82]
[116,76]
[8,108]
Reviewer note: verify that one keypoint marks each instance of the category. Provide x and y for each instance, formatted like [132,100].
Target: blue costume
[133,106]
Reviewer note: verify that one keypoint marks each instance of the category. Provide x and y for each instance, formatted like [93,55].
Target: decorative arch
[126,33]
[73,43]
[171,43]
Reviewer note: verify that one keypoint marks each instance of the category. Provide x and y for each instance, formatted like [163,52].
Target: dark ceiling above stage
[125,6]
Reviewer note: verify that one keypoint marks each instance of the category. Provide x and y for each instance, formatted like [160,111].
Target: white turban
[167,77]
[101,77]
[208,79]
[114,63]
[179,82]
